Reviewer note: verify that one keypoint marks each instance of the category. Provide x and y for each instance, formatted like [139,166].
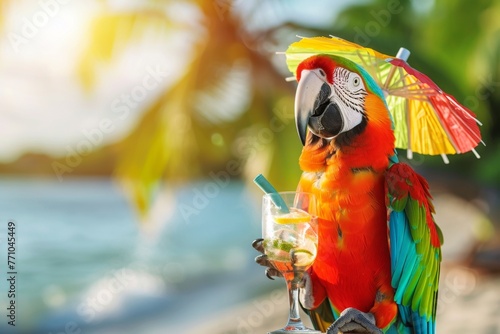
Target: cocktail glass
[290,243]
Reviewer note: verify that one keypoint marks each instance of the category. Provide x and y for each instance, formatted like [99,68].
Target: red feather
[352,268]
[404,181]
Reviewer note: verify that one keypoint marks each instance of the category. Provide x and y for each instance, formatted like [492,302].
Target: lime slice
[303,257]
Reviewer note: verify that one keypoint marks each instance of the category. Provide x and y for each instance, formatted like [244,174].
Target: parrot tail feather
[322,317]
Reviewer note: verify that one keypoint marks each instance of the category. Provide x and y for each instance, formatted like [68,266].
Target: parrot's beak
[312,92]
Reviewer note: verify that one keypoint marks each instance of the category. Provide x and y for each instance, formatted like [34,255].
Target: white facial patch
[351,118]
[349,93]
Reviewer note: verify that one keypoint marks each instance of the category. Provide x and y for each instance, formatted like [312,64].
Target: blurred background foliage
[231,104]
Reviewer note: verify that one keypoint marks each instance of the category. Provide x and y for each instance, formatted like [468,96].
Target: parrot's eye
[323,74]
[355,82]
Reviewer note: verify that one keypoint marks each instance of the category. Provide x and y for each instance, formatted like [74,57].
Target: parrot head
[331,97]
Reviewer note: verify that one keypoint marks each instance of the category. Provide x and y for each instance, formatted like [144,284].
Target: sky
[44,107]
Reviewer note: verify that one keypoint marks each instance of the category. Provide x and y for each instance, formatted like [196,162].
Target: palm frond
[111,33]
[194,127]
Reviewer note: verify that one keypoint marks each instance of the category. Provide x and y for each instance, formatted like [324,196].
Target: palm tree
[199,126]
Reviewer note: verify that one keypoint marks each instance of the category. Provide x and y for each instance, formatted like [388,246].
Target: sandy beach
[472,305]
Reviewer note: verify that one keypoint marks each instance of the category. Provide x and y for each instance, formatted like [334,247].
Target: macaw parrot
[379,253]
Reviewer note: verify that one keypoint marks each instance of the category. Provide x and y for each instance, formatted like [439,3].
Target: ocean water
[85,265]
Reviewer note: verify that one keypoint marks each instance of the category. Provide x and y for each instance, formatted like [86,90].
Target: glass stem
[293,298]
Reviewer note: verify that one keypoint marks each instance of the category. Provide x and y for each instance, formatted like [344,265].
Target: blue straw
[266,187]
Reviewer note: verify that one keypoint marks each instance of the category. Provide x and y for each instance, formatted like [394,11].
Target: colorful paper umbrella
[426,119]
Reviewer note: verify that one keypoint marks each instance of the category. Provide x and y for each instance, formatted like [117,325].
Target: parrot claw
[257,244]
[263,261]
[270,272]
[352,320]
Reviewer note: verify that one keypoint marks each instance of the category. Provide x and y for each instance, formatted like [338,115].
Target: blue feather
[405,255]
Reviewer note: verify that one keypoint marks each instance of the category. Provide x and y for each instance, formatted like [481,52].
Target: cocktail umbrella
[426,119]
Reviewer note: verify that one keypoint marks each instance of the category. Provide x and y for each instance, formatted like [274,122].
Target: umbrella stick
[403,54]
